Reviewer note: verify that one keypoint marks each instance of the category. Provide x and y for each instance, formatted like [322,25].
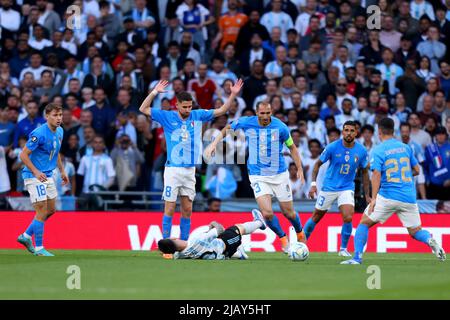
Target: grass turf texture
[145,275]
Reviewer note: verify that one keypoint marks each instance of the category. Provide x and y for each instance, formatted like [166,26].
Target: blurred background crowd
[319,64]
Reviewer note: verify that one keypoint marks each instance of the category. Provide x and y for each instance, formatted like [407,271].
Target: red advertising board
[141,231]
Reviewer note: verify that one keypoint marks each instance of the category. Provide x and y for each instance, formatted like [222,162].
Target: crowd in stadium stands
[316,62]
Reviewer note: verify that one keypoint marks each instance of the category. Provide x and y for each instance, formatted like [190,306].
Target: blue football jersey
[394,160]
[265,145]
[344,162]
[44,145]
[183,137]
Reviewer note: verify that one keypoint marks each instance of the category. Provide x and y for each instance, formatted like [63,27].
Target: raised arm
[313,189]
[212,146]
[159,88]
[235,89]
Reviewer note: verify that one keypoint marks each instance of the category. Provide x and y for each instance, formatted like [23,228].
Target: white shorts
[277,186]
[40,191]
[326,199]
[178,181]
[408,213]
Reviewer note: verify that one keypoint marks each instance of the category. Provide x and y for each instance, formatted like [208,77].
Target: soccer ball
[298,251]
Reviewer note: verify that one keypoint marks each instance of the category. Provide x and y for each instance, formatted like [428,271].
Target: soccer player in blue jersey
[265,136]
[345,157]
[40,157]
[183,134]
[393,190]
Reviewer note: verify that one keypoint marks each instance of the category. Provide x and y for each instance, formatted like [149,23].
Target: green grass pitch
[145,275]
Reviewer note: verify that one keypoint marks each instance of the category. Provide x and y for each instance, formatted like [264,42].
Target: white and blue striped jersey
[204,246]
[96,169]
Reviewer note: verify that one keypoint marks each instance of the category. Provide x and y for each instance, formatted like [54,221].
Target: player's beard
[349,139]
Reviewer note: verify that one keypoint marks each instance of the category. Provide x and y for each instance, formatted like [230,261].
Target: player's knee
[267,214]
[347,218]
[412,231]
[186,213]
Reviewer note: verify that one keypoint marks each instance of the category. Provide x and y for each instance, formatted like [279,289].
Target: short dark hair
[349,123]
[211,200]
[335,130]
[368,127]
[405,124]
[184,96]
[386,126]
[166,246]
[52,106]
[310,142]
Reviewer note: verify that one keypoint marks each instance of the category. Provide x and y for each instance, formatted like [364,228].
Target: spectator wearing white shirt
[39,42]
[72,72]
[271,90]
[35,67]
[294,182]
[348,113]
[302,21]
[97,168]
[316,126]
[315,149]
[342,61]
[390,71]
[9,18]
[277,18]
[274,69]
[341,93]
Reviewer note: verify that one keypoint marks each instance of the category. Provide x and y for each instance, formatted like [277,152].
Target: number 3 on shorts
[257,188]
[41,190]
[168,191]
[321,200]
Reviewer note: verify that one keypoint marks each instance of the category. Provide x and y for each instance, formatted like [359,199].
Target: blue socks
[346,232]
[30,229]
[309,227]
[38,233]
[360,241]
[185,227]
[274,225]
[422,236]
[166,226]
[296,223]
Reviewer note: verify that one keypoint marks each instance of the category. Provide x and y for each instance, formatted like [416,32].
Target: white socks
[249,227]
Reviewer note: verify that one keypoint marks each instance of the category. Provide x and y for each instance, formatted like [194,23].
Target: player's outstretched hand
[40,176]
[64,178]
[236,88]
[161,86]
[312,192]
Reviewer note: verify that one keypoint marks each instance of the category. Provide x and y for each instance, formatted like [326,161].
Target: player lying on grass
[216,244]
[393,190]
